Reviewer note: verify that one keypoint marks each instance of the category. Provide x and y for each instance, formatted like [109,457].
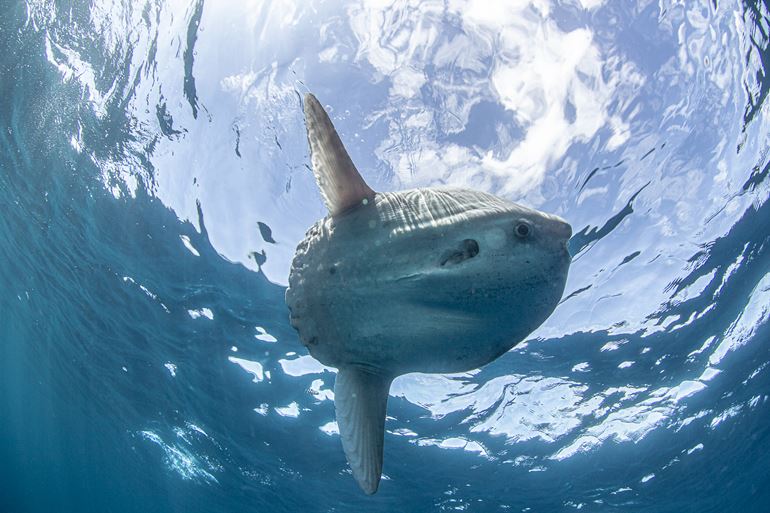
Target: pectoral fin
[360,399]
[340,182]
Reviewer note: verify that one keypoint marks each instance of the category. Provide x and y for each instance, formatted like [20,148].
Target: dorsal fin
[341,184]
[360,400]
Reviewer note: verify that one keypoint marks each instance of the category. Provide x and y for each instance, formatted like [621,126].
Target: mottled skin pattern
[427,280]
[430,280]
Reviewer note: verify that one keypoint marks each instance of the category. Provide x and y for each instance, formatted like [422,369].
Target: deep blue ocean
[154,183]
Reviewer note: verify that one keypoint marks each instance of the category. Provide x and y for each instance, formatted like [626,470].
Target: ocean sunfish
[424,280]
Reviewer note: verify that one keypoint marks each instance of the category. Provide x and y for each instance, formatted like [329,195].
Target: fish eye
[523,229]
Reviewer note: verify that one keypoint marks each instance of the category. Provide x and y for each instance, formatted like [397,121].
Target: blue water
[154,183]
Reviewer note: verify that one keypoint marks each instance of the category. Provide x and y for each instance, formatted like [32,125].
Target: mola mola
[424,280]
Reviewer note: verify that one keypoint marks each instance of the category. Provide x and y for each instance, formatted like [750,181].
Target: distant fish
[425,280]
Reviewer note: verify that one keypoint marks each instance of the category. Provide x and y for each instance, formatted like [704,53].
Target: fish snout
[559,228]
[560,232]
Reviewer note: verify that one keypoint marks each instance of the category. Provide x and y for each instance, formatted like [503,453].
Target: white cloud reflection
[554,84]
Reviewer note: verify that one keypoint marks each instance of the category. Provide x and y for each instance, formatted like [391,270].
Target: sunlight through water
[154,182]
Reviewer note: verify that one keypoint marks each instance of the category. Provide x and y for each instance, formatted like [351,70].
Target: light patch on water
[290,410]
[454,443]
[629,424]
[402,432]
[625,365]
[581,367]
[147,292]
[468,445]
[262,409]
[698,447]
[188,245]
[203,312]
[647,478]
[171,368]
[180,460]
[197,429]
[239,84]
[755,372]
[710,340]
[330,428]
[734,266]
[522,461]
[743,330]
[71,65]
[696,288]
[253,368]
[689,420]
[434,392]
[729,413]
[264,336]
[519,407]
[627,392]
[709,373]
[612,345]
[685,389]
[321,394]
[533,408]
[303,365]
[633,423]
[76,144]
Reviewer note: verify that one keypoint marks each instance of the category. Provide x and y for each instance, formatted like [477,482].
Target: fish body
[435,280]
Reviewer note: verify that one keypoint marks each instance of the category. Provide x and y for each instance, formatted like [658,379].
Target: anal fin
[360,400]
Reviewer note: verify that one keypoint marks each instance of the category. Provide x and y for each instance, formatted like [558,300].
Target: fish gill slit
[466,249]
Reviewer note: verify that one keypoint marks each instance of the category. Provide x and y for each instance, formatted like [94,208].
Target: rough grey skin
[425,280]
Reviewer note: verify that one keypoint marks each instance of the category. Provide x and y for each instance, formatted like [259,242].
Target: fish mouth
[562,229]
[558,227]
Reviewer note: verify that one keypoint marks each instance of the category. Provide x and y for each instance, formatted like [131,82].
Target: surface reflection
[643,124]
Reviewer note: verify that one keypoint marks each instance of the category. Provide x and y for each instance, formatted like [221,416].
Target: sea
[155,181]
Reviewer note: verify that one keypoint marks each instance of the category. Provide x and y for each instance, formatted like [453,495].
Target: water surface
[154,184]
